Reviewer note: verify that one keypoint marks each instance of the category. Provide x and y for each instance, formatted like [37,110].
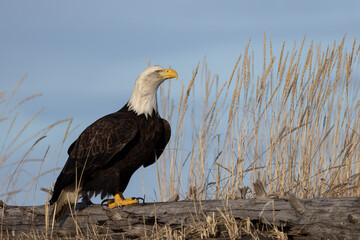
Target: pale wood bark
[299,219]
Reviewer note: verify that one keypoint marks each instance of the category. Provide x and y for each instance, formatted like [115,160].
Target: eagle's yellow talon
[112,205]
[120,201]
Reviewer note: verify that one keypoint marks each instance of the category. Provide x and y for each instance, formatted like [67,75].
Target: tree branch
[301,219]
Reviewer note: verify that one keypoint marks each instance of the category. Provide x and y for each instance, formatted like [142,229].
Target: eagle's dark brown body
[110,150]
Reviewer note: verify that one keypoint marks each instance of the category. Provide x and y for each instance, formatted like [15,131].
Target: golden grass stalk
[296,130]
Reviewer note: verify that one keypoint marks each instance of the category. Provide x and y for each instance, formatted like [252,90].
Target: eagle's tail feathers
[67,199]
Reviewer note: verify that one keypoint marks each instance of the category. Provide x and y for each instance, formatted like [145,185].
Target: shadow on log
[240,219]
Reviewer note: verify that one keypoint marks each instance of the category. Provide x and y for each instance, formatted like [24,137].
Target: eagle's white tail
[67,199]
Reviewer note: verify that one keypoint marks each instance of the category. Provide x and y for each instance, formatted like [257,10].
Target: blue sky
[84,56]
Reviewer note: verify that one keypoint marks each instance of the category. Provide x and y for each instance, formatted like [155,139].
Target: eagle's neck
[143,102]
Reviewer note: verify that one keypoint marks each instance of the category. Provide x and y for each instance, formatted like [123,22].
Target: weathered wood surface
[316,219]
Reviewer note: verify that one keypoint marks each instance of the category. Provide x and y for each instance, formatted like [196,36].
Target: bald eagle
[108,152]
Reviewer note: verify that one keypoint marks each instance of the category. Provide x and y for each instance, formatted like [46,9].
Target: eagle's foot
[120,201]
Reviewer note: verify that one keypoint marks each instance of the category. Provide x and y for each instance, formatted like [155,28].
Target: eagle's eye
[157,73]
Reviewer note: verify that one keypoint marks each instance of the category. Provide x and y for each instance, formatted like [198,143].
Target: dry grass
[15,140]
[295,127]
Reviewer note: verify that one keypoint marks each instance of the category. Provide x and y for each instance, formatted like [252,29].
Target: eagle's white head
[143,99]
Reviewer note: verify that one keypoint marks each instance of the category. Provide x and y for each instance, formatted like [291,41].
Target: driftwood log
[295,219]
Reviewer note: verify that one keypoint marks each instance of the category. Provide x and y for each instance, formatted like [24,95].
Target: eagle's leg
[120,201]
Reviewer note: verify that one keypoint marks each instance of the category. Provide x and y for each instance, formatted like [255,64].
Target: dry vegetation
[295,127]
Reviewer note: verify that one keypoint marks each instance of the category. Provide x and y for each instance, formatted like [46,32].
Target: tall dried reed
[17,136]
[295,126]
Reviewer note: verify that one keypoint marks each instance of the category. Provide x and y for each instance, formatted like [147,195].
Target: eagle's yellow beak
[168,73]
